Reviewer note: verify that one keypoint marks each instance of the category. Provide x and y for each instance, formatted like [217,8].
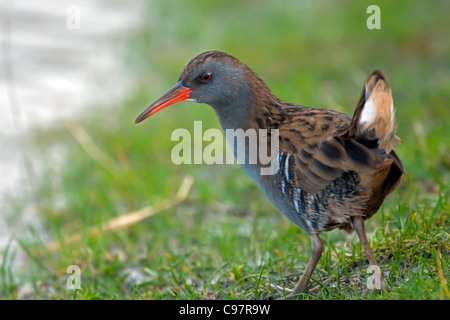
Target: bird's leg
[358,226]
[317,248]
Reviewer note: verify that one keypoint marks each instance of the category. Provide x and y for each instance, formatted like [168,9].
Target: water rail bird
[332,170]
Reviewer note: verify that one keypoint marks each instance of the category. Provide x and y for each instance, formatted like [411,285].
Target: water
[57,59]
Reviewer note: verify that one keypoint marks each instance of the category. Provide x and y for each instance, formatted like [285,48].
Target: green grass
[225,240]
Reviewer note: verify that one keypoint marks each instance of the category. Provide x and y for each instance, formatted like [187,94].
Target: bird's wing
[318,150]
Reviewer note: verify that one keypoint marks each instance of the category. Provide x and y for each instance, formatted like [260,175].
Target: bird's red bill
[176,94]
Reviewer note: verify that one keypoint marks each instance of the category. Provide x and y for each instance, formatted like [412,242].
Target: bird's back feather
[341,166]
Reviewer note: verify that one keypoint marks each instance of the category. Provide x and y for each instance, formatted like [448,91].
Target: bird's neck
[252,108]
[242,123]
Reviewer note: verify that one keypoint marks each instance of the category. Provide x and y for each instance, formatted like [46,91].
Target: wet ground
[57,59]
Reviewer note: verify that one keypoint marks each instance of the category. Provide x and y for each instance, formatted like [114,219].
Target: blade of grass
[130,218]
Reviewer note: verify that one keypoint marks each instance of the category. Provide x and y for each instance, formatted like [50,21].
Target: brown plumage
[323,144]
[334,171]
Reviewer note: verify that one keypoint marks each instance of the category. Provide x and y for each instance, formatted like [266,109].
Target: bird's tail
[373,122]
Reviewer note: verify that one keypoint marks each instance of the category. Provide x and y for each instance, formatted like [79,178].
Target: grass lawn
[208,232]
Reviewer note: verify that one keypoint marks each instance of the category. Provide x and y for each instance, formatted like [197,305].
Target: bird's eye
[206,76]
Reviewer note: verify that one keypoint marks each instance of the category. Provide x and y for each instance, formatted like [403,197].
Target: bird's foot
[280,289]
[285,293]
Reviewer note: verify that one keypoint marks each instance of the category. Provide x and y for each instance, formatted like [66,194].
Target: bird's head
[213,77]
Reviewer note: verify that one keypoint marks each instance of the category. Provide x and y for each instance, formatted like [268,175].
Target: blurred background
[75,74]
